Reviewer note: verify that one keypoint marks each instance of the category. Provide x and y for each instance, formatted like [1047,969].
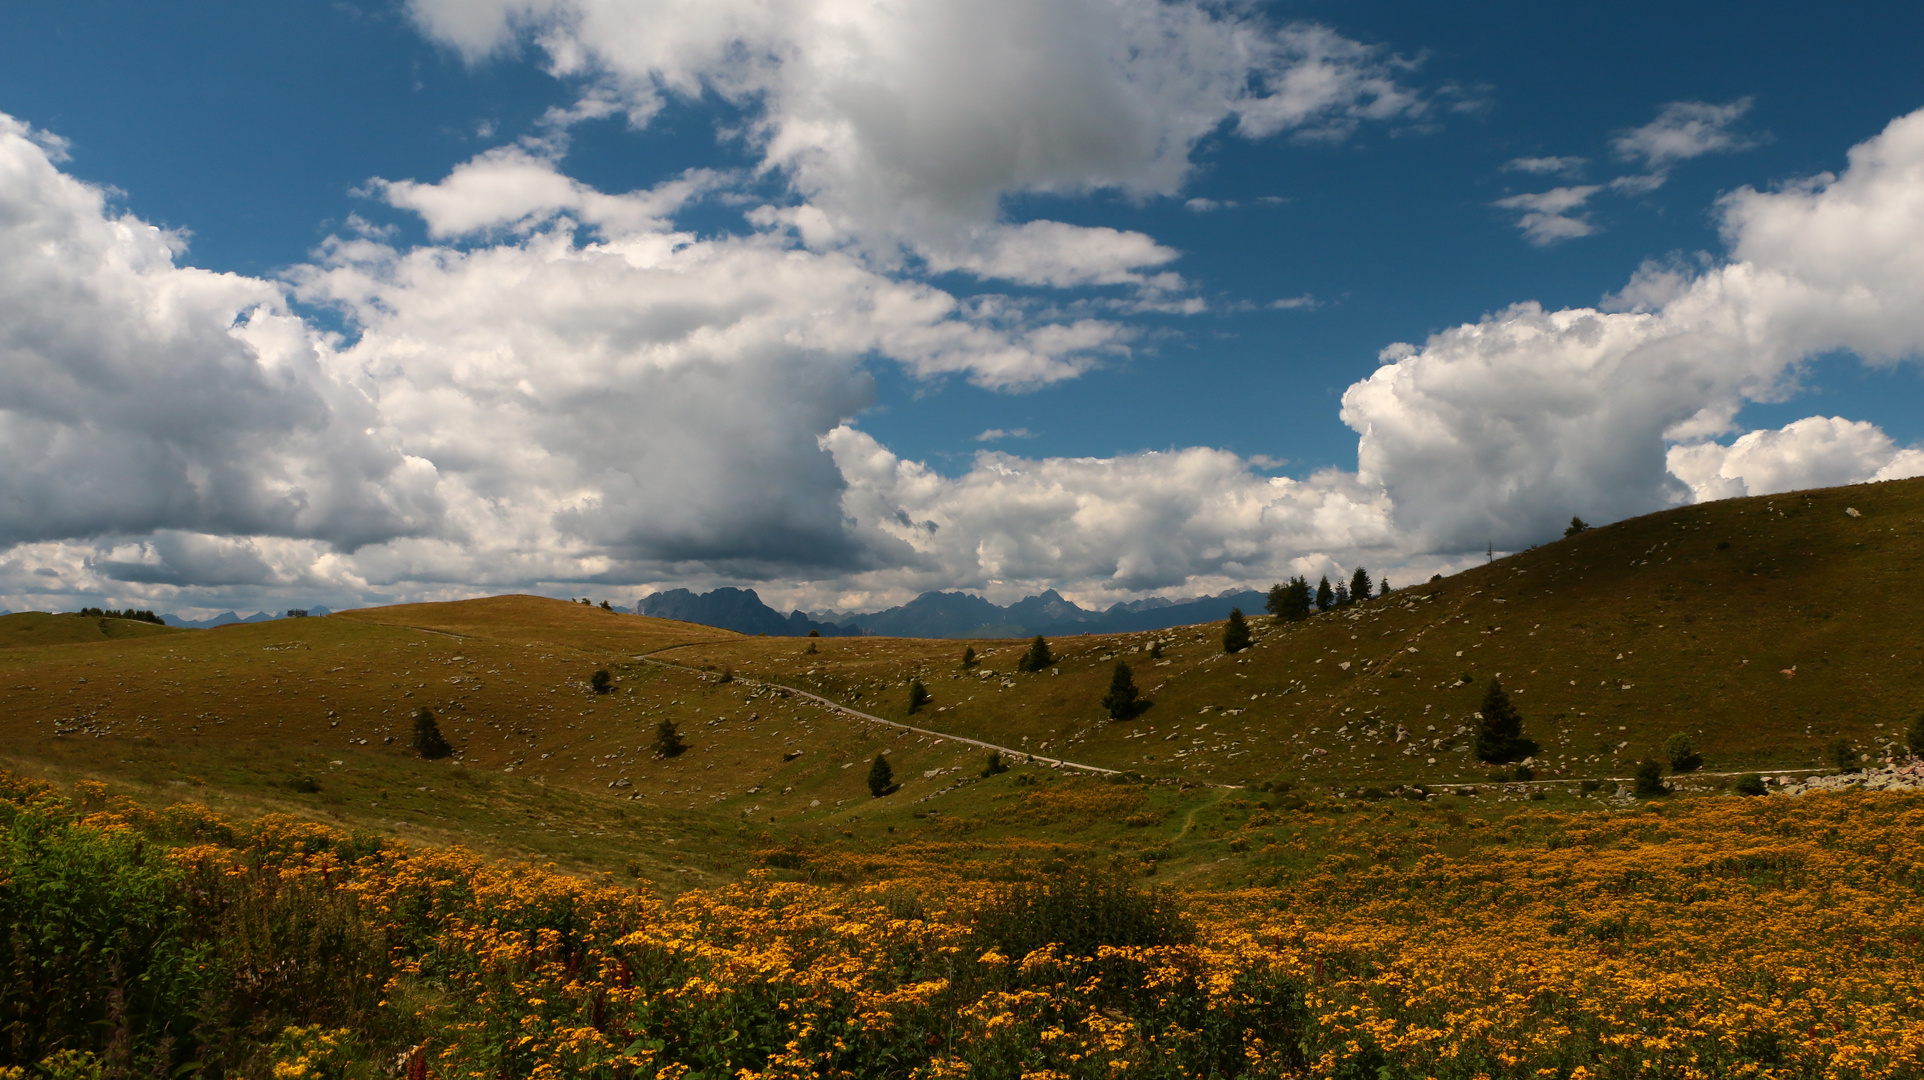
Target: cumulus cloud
[1124,525]
[1547,216]
[1499,429]
[1685,130]
[910,123]
[998,434]
[513,188]
[1814,452]
[137,394]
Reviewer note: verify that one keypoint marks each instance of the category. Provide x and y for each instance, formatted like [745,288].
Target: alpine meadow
[961,540]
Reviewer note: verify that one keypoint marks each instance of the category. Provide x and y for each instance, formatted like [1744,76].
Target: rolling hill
[1761,627]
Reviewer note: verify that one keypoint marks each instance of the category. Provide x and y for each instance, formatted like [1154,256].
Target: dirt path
[1021,755]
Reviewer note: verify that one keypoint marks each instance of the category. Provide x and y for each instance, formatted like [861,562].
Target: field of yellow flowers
[1766,937]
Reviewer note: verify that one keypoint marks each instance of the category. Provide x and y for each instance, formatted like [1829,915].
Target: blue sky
[263,135]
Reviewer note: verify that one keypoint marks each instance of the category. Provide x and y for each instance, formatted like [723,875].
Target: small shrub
[995,765]
[814,633]
[1080,911]
[1155,653]
[1649,778]
[918,696]
[428,741]
[1523,772]
[1750,784]
[1842,754]
[1914,736]
[1682,754]
[1589,786]
[968,657]
[600,681]
[727,674]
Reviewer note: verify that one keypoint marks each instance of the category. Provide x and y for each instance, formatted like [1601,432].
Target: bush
[600,681]
[1038,657]
[1842,754]
[427,736]
[881,778]
[1914,737]
[1155,653]
[1589,786]
[995,766]
[1650,778]
[727,674]
[918,696]
[1750,784]
[968,657]
[1682,754]
[1080,911]
[668,741]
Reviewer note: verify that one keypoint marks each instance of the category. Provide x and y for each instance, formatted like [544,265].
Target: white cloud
[513,188]
[1058,255]
[1305,302]
[136,394]
[998,434]
[1547,166]
[1113,526]
[1684,130]
[1546,216]
[1499,429]
[1814,452]
[910,123]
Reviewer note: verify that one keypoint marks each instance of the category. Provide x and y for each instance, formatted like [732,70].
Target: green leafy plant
[1682,754]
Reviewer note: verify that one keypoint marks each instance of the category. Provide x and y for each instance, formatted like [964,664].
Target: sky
[340,304]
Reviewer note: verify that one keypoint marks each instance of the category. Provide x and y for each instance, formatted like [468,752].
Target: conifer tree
[427,736]
[668,739]
[1359,585]
[1121,700]
[600,680]
[1038,657]
[1155,650]
[918,696]
[1235,632]
[1342,595]
[1915,736]
[968,657]
[995,765]
[1325,599]
[1499,734]
[881,778]
[1383,587]
[1842,753]
[1650,778]
[1577,525]
[1289,602]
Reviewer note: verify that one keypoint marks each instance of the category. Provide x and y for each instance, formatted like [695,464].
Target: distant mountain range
[227,617]
[945,615]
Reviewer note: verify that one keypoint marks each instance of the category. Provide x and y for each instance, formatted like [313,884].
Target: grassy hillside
[1762,627]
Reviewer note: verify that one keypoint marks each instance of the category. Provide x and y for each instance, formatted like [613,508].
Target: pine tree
[1359,585]
[1289,602]
[968,657]
[1235,632]
[668,739]
[1155,650]
[1576,526]
[1038,657]
[1325,599]
[427,736]
[995,765]
[1650,778]
[1342,595]
[1383,587]
[1499,735]
[599,681]
[1121,698]
[881,778]
[1842,753]
[918,696]
[1915,736]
